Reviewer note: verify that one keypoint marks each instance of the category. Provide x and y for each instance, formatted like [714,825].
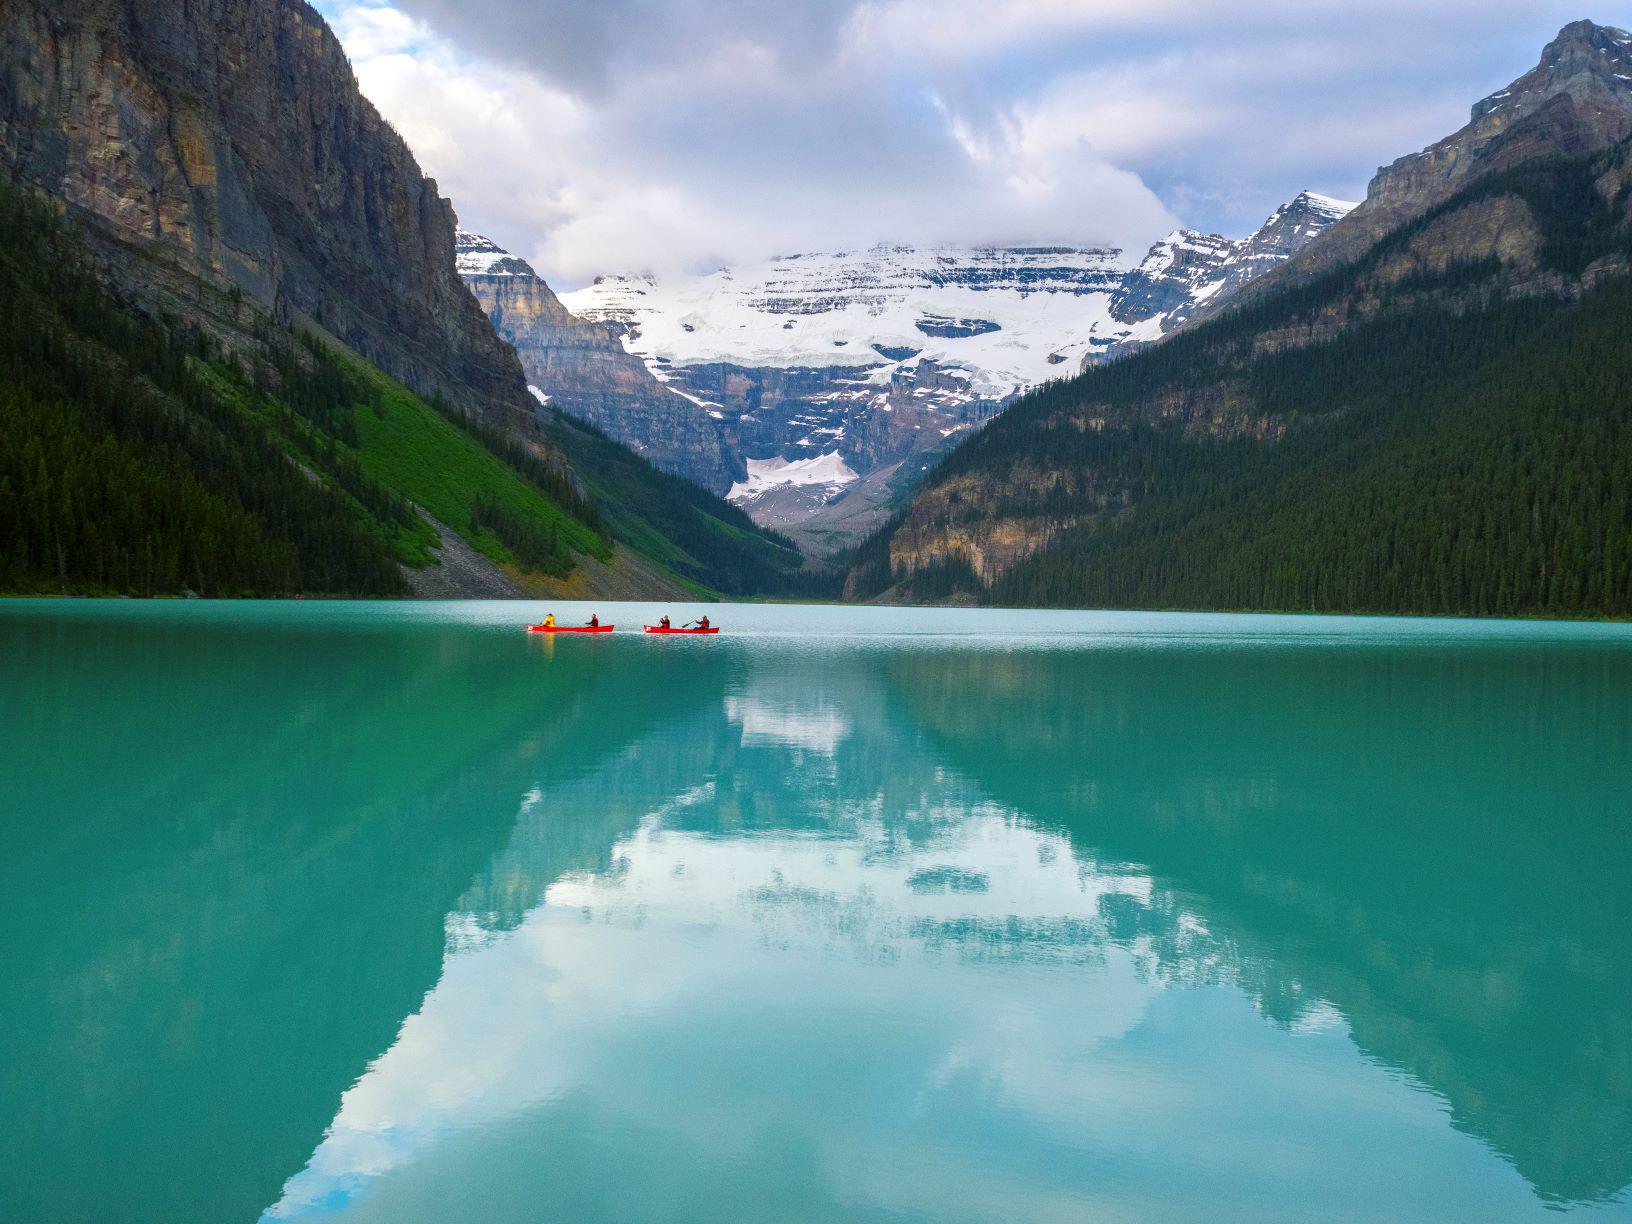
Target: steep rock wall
[245,165]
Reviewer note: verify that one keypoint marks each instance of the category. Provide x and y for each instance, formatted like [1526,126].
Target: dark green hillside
[137,458]
[679,525]
[1407,433]
[1501,485]
[124,470]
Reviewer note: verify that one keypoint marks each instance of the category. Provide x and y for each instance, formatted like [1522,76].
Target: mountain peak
[1294,223]
[1586,35]
[1586,60]
[1329,206]
[1189,276]
[477,255]
[1576,100]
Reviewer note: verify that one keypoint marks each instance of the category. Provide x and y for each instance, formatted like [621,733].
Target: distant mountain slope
[1440,423]
[1576,100]
[273,238]
[1189,275]
[866,365]
[579,366]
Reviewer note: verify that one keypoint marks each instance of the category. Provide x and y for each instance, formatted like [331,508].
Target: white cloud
[663,134]
[369,32]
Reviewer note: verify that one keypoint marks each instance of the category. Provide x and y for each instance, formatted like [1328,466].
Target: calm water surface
[390,912]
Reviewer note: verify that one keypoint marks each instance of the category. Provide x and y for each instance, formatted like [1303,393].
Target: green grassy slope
[408,445]
[678,525]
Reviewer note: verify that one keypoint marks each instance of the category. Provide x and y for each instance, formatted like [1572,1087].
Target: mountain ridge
[1221,469]
[863,366]
[1573,101]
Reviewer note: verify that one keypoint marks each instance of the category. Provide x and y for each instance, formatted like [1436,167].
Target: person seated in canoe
[664,623]
[549,621]
[594,621]
[703,624]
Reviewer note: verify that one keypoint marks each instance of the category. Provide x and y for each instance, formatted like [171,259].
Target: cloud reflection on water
[903,1000]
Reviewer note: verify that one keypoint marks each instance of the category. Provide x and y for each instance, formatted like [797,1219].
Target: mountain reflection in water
[1172,929]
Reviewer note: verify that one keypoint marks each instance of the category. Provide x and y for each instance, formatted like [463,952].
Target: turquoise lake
[391,912]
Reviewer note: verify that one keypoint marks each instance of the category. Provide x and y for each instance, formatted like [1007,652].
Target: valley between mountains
[814,390]
[250,351]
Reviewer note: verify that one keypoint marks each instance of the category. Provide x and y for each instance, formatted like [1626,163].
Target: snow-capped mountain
[998,314]
[836,377]
[476,255]
[1187,275]
[1289,229]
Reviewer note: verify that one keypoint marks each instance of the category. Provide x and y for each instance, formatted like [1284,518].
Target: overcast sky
[622,135]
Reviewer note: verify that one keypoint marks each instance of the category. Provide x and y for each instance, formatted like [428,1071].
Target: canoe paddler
[549,621]
[664,623]
[594,621]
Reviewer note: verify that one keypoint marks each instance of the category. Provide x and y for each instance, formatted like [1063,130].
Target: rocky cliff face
[1170,277]
[579,366]
[811,438]
[1576,100]
[1189,276]
[223,154]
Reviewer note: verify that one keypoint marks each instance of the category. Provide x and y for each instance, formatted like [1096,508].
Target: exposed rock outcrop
[581,368]
[1578,99]
[223,154]
[1170,276]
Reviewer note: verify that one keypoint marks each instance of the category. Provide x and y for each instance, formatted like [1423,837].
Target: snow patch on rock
[828,470]
[479,256]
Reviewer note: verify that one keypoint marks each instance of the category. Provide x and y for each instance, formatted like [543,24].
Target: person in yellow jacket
[549,621]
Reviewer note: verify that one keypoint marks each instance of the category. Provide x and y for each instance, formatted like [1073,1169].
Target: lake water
[390,912]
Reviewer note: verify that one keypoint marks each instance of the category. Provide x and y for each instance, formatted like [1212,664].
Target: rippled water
[391,912]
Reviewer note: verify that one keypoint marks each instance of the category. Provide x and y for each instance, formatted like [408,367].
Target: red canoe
[660,629]
[569,628]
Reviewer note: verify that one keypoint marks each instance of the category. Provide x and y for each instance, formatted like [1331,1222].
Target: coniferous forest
[1428,444]
[126,469]
[141,458]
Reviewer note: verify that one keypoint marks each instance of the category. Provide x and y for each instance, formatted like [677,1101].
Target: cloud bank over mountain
[678,135]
